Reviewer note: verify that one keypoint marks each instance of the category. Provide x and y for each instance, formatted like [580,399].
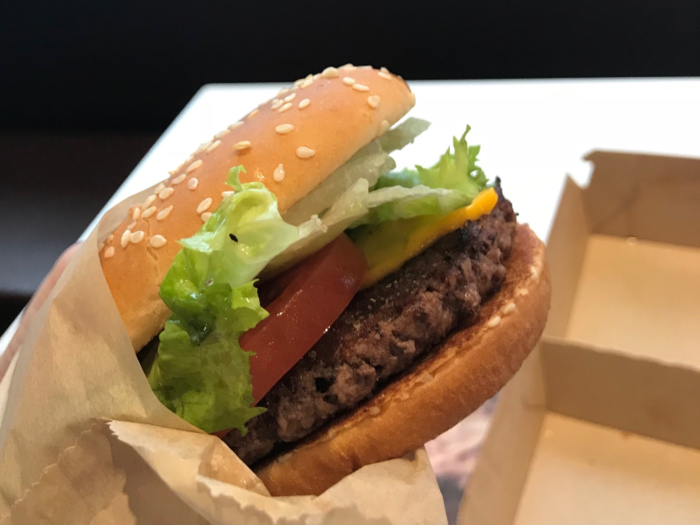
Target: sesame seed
[304,103]
[330,72]
[204,205]
[282,91]
[509,308]
[347,66]
[285,107]
[413,98]
[162,214]
[159,188]
[222,134]
[383,69]
[205,216]
[374,411]
[534,272]
[348,81]
[126,237]
[253,113]
[235,125]
[225,194]
[426,378]
[278,174]
[523,291]
[110,238]
[109,252]
[277,104]
[274,100]
[289,98]
[214,146]
[298,82]
[157,241]
[384,127]
[317,76]
[192,183]
[240,146]
[150,200]
[304,153]
[283,129]
[148,212]
[131,226]
[165,193]
[382,74]
[307,82]
[202,146]
[360,87]
[137,237]
[196,164]
[136,215]
[493,322]
[177,180]
[373,101]
[403,396]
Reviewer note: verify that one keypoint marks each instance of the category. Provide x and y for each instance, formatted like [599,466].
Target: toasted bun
[332,115]
[467,369]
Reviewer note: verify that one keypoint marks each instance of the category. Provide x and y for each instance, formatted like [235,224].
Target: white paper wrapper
[85,441]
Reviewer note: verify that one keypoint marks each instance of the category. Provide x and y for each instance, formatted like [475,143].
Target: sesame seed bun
[291,144]
[454,380]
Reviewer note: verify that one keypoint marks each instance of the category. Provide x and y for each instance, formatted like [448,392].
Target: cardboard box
[602,424]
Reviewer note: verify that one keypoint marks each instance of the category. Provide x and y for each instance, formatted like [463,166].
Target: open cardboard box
[602,424]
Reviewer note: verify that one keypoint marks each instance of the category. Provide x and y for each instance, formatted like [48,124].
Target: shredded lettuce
[201,372]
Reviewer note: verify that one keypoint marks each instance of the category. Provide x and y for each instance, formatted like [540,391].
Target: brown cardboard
[602,423]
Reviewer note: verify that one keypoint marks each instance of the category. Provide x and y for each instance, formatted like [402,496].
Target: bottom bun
[469,367]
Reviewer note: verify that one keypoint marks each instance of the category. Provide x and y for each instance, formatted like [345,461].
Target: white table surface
[532,133]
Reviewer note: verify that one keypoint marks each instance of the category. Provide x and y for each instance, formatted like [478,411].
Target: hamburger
[287,289]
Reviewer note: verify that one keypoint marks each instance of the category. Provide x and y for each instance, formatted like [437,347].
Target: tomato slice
[305,301]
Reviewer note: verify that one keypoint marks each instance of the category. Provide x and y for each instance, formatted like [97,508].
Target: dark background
[87,87]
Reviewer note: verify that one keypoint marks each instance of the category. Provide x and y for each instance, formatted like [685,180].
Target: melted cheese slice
[389,245]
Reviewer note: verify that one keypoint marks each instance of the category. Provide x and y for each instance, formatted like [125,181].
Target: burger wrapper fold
[84,440]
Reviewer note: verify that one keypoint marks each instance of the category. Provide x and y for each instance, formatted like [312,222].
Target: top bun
[291,143]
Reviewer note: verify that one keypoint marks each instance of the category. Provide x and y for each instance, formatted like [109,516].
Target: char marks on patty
[383,331]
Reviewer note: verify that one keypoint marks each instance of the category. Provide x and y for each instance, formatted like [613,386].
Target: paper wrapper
[85,441]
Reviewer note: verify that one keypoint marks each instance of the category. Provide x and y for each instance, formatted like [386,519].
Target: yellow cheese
[391,244]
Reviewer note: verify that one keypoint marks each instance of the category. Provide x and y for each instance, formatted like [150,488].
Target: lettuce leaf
[451,183]
[457,170]
[370,162]
[317,232]
[402,135]
[201,372]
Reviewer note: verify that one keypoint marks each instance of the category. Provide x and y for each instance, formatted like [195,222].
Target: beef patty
[384,330]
